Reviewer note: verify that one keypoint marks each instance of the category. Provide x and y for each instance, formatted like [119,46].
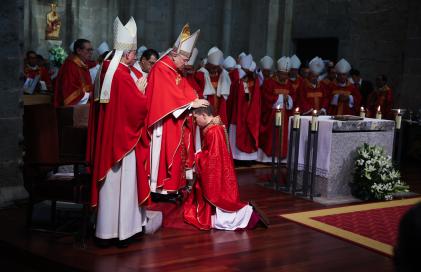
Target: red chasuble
[382,97]
[343,101]
[270,91]
[193,83]
[72,82]
[168,91]
[297,83]
[235,81]
[246,114]
[216,185]
[312,97]
[116,129]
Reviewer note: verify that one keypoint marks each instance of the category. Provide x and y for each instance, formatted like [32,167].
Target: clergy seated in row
[214,82]
[277,93]
[74,83]
[36,76]
[245,110]
[344,97]
[381,97]
[117,149]
[313,95]
[169,125]
[214,201]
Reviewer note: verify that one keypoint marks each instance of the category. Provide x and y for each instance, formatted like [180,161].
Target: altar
[337,148]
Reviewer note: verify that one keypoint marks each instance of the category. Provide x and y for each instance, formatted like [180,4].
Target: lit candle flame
[378,109]
[297,110]
[399,111]
[315,112]
[278,107]
[362,108]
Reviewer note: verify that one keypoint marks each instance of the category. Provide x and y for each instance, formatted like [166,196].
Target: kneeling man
[214,201]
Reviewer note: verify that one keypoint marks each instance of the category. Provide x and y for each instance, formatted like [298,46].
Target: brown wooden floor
[285,246]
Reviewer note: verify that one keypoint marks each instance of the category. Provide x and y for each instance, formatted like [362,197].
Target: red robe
[115,129]
[312,97]
[343,101]
[217,184]
[191,78]
[219,104]
[382,97]
[73,81]
[235,80]
[297,83]
[42,72]
[168,91]
[246,110]
[270,91]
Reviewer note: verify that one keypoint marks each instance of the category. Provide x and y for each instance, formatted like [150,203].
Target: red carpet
[374,225]
[378,224]
[172,215]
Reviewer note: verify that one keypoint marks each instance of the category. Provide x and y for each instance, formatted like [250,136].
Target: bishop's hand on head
[199,103]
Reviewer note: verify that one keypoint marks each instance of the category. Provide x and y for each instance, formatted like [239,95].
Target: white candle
[379,113]
[362,112]
[278,118]
[398,119]
[314,126]
[297,118]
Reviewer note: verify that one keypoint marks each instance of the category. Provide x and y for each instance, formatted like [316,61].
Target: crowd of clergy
[145,107]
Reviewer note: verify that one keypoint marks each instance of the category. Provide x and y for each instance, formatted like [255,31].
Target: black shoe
[263,217]
[102,243]
[123,243]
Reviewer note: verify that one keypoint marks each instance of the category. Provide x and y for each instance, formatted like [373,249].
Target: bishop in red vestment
[344,97]
[169,97]
[383,97]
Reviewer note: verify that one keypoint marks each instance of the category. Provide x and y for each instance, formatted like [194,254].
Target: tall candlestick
[278,117]
[398,119]
[362,112]
[314,125]
[297,118]
[379,113]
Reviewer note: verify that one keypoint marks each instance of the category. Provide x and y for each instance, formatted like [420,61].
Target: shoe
[263,217]
[123,243]
[102,243]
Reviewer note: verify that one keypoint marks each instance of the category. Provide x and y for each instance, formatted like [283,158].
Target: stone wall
[11,183]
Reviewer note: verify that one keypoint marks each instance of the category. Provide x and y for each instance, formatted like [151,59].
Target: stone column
[226,28]
[287,28]
[273,28]
[11,182]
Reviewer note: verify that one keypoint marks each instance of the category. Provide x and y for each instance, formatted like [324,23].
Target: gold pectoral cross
[178,79]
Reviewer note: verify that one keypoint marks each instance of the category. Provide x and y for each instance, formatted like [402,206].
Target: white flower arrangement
[57,55]
[375,177]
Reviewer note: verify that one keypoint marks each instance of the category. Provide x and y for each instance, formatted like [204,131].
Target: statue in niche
[52,32]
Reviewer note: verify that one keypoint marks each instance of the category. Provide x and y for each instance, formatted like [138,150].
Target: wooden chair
[52,141]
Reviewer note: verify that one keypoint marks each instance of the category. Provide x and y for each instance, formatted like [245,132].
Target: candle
[314,125]
[362,112]
[379,113]
[297,118]
[278,117]
[398,119]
